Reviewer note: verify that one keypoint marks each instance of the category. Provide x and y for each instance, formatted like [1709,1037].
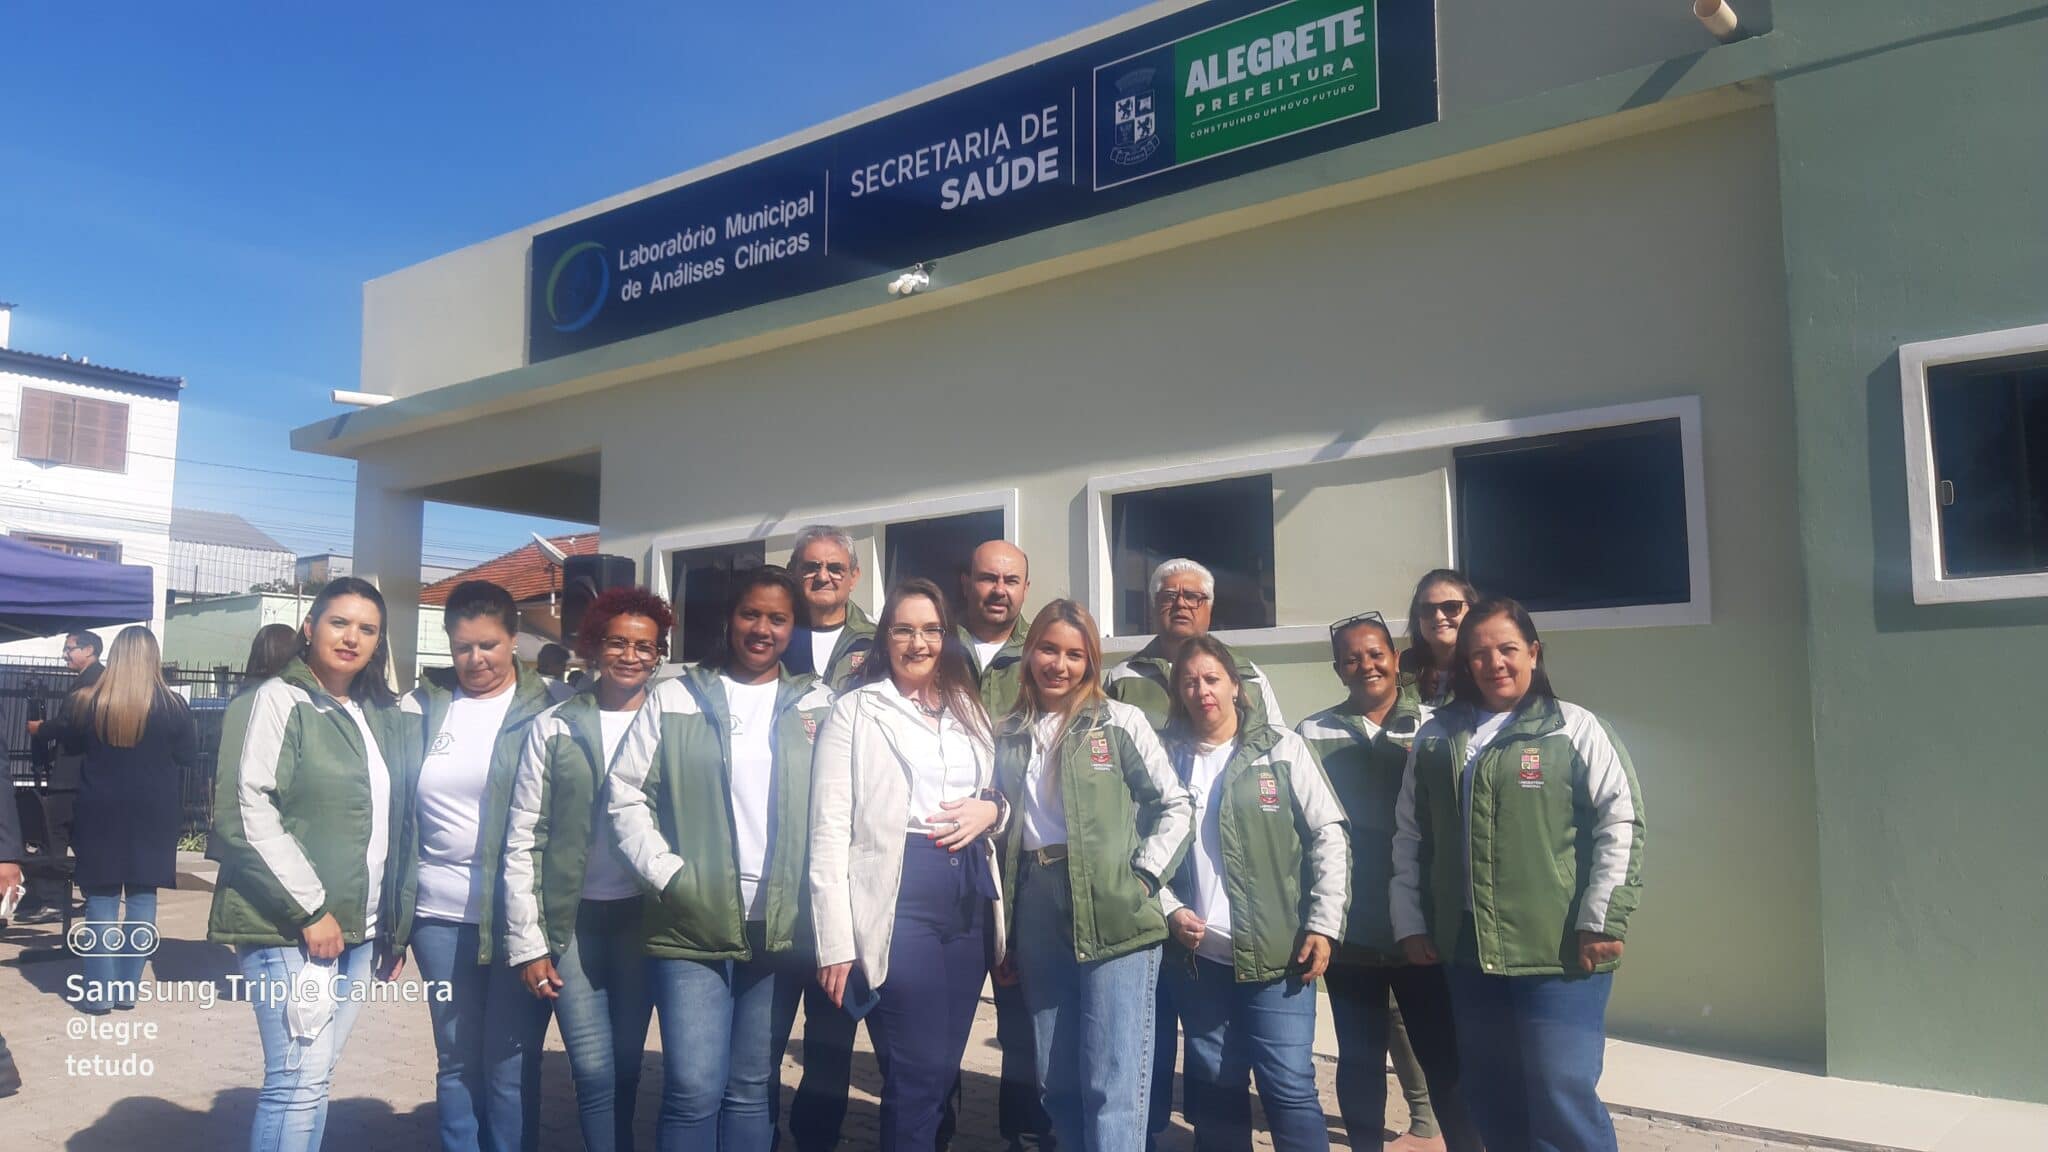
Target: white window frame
[1923,512]
[1686,409]
[876,516]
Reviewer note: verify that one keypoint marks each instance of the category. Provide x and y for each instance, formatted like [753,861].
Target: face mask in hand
[311,1002]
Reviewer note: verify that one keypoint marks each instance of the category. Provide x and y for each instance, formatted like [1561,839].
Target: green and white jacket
[292,813]
[557,820]
[1004,675]
[1286,857]
[427,707]
[1552,843]
[1146,681]
[1365,763]
[669,799]
[1127,817]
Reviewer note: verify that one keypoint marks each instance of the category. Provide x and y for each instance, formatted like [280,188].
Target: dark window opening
[1989,424]
[1224,525]
[937,549]
[1589,519]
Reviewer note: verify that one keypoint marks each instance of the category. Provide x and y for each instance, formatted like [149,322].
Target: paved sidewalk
[183,1077]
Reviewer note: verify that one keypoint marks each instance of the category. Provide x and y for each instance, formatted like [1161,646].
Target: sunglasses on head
[1361,618]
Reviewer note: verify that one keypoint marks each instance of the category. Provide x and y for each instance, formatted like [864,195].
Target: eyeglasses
[1446,608]
[904,634]
[619,646]
[70,648]
[1361,618]
[834,571]
[1168,597]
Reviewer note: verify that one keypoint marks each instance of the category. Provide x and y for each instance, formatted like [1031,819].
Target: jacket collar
[1402,720]
[702,681]
[1535,716]
[529,692]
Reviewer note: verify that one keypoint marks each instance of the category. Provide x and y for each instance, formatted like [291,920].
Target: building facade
[88,454]
[1625,322]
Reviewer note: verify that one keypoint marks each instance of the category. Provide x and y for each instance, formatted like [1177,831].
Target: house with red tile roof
[535,581]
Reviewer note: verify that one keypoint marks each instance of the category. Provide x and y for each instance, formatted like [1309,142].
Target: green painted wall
[1914,170]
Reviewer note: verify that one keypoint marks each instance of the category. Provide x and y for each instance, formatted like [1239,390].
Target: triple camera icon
[103,938]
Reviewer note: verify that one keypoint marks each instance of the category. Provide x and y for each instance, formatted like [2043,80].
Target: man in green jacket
[1183,600]
[992,629]
[835,644]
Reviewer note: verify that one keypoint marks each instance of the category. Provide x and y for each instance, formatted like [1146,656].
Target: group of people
[866,820]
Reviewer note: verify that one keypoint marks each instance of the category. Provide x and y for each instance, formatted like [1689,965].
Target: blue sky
[200,190]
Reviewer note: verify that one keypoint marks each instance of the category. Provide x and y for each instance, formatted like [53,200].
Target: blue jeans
[487,1043]
[1364,1022]
[291,1108]
[938,962]
[112,973]
[1096,1082]
[1530,1049]
[724,1025]
[602,1009]
[1234,1030]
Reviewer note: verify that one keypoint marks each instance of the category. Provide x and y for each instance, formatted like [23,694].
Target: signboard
[1210,92]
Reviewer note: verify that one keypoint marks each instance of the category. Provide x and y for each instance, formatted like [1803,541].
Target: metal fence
[33,689]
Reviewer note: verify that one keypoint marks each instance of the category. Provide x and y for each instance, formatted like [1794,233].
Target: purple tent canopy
[45,593]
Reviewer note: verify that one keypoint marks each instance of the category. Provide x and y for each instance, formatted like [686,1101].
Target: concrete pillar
[387,554]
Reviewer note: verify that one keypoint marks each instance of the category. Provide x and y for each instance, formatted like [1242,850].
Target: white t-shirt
[1210,900]
[753,785]
[1045,812]
[1490,725]
[380,818]
[985,651]
[605,875]
[823,640]
[453,780]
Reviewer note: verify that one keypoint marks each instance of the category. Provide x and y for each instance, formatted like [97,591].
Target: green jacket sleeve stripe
[1329,845]
[1612,796]
[628,803]
[525,938]
[275,850]
[1164,805]
[1404,895]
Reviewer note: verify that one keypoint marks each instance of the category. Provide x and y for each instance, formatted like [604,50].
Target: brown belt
[1048,856]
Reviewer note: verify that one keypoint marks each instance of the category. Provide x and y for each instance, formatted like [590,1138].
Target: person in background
[710,800]
[139,740]
[1518,861]
[1258,907]
[470,727]
[12,850]
[1183,602]
[572,905]
[271,650]
[64,757]
[553,666]
[993,587]
[833,644]
[1103,821]
[303,817]
[902,876]
[1441,599]
[1363,744]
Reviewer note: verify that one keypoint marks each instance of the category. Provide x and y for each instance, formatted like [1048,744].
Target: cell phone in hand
[859,999]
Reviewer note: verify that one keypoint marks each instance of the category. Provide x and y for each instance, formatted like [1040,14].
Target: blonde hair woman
[139,741]
[1103,822]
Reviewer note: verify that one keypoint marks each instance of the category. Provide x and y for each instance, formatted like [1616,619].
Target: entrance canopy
[45,593]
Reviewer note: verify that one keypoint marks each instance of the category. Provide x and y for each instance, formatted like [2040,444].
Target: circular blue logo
[577,286]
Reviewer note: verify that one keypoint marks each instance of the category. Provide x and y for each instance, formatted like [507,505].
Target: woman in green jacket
[1518,859]
[572,923]
[471,727]
[302,818]
[1102,821]
[709,800]
[1258,907]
